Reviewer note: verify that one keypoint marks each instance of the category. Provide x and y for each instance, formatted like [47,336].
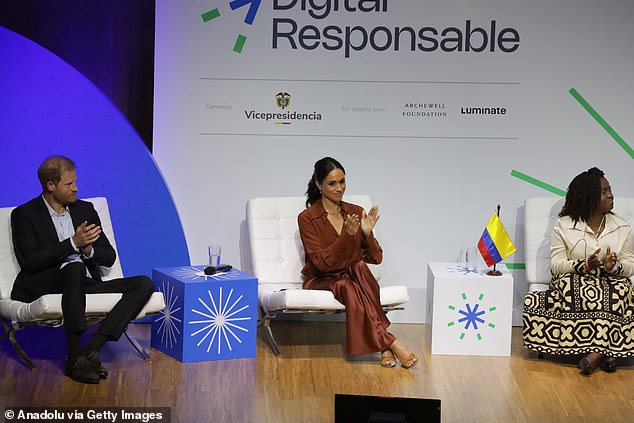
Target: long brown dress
[337,262]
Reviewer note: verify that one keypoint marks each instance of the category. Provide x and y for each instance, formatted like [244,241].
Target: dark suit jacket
[40,253]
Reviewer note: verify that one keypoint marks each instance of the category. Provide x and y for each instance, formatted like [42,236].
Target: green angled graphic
[212,14]
[605,125]
[253,7]
[538,183]
[239,45]
[550,188]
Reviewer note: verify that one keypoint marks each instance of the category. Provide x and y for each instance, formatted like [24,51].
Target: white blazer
[573,242]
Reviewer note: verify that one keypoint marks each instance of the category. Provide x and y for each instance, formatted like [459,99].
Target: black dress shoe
[80,370]
[94,358]
[608,365]
[585,366]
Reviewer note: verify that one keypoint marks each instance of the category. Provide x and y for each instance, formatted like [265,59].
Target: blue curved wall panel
[47,107]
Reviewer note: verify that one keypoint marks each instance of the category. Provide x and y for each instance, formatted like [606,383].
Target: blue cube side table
[206,317]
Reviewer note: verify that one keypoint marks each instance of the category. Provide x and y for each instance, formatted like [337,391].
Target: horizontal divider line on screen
[359,136]
[361,81]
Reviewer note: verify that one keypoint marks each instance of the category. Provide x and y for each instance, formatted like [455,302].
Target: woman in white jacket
[589,308]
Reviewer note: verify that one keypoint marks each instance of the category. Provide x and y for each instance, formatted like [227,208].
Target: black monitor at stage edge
[372,409]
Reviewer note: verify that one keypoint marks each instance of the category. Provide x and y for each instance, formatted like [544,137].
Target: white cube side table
[470,312]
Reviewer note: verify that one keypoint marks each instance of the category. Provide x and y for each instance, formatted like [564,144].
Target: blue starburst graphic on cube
[462,269]
[168,323]
[472,317]
[208,317]
[222,322]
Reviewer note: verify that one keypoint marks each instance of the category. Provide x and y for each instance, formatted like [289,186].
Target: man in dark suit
[61,249]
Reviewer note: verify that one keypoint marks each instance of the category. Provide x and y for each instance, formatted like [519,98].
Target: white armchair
[47,310]
[277,257]
[540,216]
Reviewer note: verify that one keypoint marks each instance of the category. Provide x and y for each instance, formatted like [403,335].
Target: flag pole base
[494,273]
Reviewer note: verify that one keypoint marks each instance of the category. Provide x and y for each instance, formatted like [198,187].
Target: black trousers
[71,281]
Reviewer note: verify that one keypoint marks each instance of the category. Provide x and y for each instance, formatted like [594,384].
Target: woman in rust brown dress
[338,242]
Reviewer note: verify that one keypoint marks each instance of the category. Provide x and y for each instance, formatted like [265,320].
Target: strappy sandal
[411,361]
[388,360]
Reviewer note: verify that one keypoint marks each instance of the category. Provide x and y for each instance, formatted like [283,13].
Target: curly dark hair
[322,168]
[583,195]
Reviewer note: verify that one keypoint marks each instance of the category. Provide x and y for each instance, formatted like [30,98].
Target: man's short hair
[51,169]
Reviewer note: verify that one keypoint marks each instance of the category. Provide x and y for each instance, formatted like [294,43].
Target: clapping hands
[367,222]
[610,260]
[595,262]
[351,224]
[85,236]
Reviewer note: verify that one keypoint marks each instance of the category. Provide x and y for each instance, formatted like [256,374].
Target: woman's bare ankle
[400,351]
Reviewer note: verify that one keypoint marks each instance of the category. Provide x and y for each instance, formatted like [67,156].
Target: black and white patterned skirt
[579,314]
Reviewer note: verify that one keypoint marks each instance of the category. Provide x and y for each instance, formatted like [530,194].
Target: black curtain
[111,42]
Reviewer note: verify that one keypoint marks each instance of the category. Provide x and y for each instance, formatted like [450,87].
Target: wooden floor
[300,386]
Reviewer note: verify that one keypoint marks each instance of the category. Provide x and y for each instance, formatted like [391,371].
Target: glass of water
[214,254]
[471,258]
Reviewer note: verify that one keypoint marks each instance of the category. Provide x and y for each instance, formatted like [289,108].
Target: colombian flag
[495,244]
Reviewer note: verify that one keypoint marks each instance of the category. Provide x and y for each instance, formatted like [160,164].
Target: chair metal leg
[269,335]
[144,355]
[9,331]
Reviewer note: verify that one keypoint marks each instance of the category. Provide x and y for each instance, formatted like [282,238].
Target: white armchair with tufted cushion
[540,216]
[47,310]
[277,258]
